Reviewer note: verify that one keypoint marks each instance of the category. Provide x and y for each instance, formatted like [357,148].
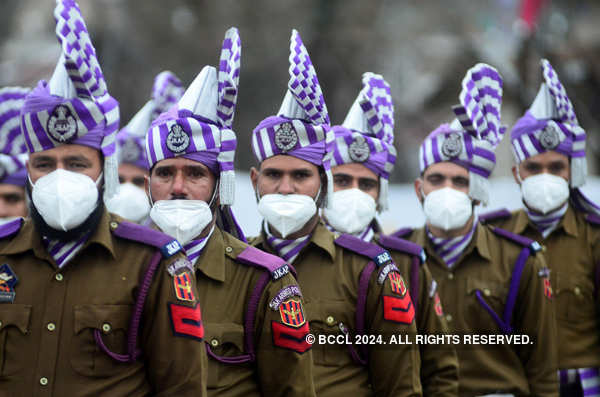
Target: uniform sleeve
[595,244]
[173,330]
[439,363]
[284,358]
[393,366]
[535,317]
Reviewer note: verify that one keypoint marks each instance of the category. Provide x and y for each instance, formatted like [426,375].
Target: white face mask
[131,203]
[544,192]
[182,219]
[287,213]
[351,211]
[447,208]
[65,199]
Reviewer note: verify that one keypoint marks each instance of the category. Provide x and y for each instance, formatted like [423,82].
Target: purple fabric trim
[401,245]
[142,234]
[414,281]
[527,125]
[505,328]
[434,150]
[231,225]
[513,291]
[356,245]
[10,228]
[208,158]
[361,303]
[517,238]
[244,358]
[257,258]
[251,310]
[18,178]
[313,153]
[498,214]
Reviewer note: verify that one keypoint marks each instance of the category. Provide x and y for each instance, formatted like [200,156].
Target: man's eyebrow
[162,167]
[76,157]
[341,174]
[39,159]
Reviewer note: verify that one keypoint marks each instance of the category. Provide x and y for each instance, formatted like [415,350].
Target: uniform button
[330,320]
[58,277]
[43,381]
[450,276]
[106,327]
[577,290]
[114,225]
[228,250]
[51,327]
[0,323]
[214,343]
[486,292]
[448,317]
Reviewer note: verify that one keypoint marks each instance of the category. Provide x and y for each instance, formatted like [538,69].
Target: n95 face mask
[131,203]
[351,211]
[287,213]
[182,219]
[544,192]
[447,208]
[64,199]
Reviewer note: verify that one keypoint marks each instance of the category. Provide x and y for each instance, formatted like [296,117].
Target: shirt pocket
[574,298]
[14,336]
[488,301]
[113,322]
[324,321]
[224,340]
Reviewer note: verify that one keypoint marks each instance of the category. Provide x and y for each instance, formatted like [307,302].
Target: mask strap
[519,175]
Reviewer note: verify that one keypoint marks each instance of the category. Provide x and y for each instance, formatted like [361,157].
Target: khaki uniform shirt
[47,345]
[439,363]
[329,277]
[572,252]
[487,265]
[225,287]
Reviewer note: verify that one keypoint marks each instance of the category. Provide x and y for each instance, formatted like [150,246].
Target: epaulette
[401,233]
[261,259]
[11,228]
[591,218]
[167,245]
[399,244]
[372,251]
[502,213]
[533,245]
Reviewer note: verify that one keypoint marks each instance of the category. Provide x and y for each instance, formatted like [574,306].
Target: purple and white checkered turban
[302,127]
[13,152]
[471,139]
[131,140]
[199,126]
[74,107]
[367,134]
[551,124]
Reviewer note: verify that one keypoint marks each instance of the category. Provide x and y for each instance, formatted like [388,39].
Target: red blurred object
[530,12]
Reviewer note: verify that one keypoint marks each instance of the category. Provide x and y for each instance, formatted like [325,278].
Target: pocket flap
[487,287]
[15,315]
[106,318]
[218,334]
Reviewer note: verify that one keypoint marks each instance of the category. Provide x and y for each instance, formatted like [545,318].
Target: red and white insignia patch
[292,313]
[183,287]
[186,321]
[437,305]
[397,283]
[399,310]
[547,288]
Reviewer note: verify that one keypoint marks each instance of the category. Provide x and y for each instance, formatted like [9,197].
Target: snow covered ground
[405,209]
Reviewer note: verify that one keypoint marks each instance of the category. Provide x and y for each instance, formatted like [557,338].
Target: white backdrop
[405,209]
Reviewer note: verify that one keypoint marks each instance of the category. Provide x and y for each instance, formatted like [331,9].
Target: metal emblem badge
[62,125]
[183,287]
[130,151]
[549,138]
[291,313]
[359,150]
[286,137]
[452,146]
[177,140]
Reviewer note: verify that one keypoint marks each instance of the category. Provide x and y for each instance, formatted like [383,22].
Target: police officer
[491,281]
[13,155]
[252,306]
[87,304]
[132,202]
[363,158]
[549,146]
[351,287]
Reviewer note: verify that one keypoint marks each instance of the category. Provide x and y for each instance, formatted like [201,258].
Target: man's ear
[514,172]
[254,173]
[147,188]
[418,189]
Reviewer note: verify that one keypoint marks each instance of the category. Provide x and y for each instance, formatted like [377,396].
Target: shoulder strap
[401,233]
[167,245]
[374,252]
[593,219]
[502,213]
[11,228]
[529,247]
[275,265]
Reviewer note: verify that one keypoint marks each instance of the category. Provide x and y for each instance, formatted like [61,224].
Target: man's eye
[13,199]
[368,186]
[138,181]
[461,182]
[163,173]
[272,174]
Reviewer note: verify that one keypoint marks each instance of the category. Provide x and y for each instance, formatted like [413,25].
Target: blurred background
[423,49]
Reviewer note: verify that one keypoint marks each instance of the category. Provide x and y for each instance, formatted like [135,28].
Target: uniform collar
[212,260]
[568,222]
[479,242]
[28,238]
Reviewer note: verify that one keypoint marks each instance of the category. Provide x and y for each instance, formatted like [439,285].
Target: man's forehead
[447,169]
[72,150]
[286,163]
[547,157]
[354,169]
[179,162]
[6,188]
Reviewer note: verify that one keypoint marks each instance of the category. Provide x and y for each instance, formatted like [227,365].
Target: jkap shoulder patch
[181,264]
[291,332]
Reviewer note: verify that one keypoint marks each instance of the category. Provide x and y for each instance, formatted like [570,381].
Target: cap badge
[130,151]
[359,150]
[286,137]
[452,146]
[549,138]
[177,140]
[62,125]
